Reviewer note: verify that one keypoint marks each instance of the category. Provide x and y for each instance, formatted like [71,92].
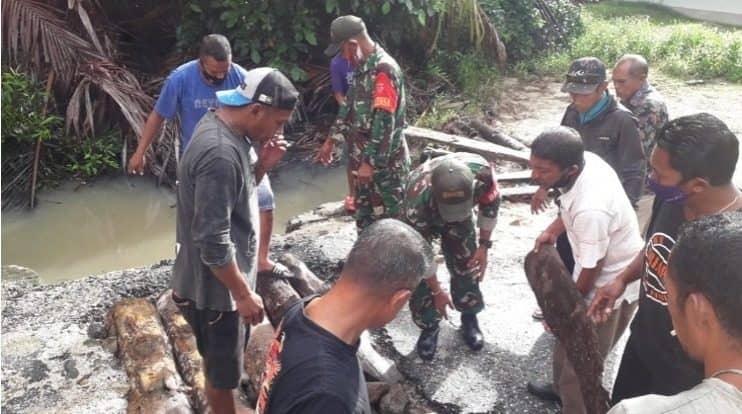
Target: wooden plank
[486,149]
[514,176]
[521,191]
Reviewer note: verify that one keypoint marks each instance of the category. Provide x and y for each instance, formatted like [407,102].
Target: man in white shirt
[703,282]
[602,230]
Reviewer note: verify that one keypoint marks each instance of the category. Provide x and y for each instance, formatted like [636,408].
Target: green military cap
[452,183]
[342,29]
[584,76]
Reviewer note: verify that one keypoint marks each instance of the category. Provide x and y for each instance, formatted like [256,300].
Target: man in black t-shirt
[312,365]
[691,175]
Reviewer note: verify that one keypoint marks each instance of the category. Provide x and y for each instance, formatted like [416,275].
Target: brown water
[120,223]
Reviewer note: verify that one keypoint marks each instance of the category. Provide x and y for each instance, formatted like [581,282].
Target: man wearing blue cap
[217,223]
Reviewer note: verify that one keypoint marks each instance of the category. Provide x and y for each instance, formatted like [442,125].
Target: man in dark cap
[440,196]
[374,111]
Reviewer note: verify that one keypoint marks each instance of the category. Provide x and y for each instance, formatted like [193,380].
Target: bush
[22,108]
[95,156]
[284,33]
[525,32]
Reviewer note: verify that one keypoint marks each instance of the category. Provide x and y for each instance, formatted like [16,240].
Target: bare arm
[586,279]
[151,128]
[249,304]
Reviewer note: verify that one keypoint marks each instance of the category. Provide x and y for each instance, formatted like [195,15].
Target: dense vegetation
[103,62]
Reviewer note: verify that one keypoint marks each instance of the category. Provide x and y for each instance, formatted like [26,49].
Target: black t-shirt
[309,370]
[671,368]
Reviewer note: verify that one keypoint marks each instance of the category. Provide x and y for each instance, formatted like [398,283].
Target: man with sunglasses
[187,94]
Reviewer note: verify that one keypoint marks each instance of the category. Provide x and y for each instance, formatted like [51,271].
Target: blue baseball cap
[265,85]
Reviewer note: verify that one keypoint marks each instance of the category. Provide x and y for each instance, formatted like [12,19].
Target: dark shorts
[220,338]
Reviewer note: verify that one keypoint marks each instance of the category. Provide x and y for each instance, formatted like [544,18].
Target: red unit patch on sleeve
[385,94]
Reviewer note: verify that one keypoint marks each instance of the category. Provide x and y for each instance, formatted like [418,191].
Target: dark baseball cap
[265,85]
[584,76]
[342,29]
[453,187]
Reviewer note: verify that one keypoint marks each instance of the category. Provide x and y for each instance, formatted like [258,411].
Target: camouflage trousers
[458,242]
[382,198]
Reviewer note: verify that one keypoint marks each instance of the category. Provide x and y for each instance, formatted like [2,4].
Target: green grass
[674,44]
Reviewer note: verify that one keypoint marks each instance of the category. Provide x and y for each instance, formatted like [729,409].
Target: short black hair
[707,259]
[216,46]
[700,146]
[389,255]
[560,145]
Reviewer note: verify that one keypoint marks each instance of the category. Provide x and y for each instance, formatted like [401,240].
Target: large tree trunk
[488,150]
[185,350]
[566,314]
[495,136]
[155,386]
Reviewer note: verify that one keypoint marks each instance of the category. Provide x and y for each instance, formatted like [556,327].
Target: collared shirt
[600,224]
[648,106]
[711,396]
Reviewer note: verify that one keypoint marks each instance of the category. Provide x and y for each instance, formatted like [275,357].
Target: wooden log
[486,149]
[518,192]
[278,296]
[185,350]
[495,136]
[566,314]
[143,347]
[256,353]
[304,281]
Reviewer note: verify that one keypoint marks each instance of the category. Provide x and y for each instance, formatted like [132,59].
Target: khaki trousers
[566,383]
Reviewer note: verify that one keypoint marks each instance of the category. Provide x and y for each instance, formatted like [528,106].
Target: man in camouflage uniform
[648,106]
[374,117]
[439,199]
[640,97]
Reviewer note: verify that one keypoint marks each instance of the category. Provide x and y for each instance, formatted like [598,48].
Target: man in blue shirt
[341,78]
[189,91]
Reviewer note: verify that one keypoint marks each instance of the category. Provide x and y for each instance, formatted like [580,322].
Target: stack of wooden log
[165,370]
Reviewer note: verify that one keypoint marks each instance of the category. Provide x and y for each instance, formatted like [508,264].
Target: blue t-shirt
[187,95]
[341,74]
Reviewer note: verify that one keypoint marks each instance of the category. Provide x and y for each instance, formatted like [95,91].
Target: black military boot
[543,391]
[427,343]
[470,331]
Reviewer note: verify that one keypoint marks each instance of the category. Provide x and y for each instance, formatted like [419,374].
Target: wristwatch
[485,243]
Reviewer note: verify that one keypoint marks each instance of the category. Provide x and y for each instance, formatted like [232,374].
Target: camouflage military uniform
[648,106]
[458,240]
[374,116]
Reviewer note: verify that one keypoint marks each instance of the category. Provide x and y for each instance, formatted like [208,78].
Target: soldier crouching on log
[439,199]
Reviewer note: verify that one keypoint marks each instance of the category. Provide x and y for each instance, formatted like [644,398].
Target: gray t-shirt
[217,216]
[711,396]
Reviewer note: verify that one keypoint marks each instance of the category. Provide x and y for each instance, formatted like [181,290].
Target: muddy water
[127,222]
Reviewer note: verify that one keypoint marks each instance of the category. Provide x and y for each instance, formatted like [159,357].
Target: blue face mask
[668,193]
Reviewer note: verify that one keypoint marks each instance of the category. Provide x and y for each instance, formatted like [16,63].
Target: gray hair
[216,46]
[389,255]
[638,66]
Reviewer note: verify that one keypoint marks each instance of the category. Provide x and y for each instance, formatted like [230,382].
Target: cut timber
[517,192]
[256,352]
[186,353]
[278,296]
[514,176]
[486,149]
[496,137]
[304,280]
[566,314]
[154,383]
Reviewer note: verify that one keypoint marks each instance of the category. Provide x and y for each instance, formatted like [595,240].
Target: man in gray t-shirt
[217,223]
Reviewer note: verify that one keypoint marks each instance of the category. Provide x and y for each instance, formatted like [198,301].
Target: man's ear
[697,185]
[399,299]
[699,311]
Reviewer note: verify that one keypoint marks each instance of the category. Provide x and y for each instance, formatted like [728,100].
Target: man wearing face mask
[601,227]
[374,111]
[692,168]
[188,93]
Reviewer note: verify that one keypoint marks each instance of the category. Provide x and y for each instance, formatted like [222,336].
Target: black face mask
[213,80]
[564,180]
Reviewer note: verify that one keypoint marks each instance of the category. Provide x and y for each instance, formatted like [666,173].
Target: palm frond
[36,36]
